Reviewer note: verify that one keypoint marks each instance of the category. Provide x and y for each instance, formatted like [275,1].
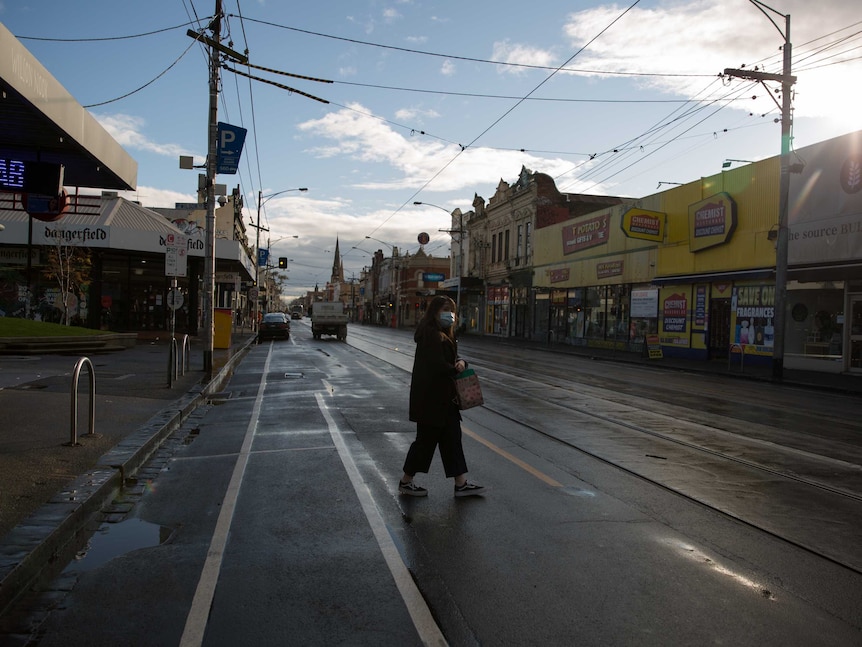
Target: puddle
[114,539]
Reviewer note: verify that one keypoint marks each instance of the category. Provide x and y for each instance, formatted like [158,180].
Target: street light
[726,163]
[392,269]
[460,232]
[262,200]
[389,245]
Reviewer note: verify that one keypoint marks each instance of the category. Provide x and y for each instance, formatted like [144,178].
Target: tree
[68,264]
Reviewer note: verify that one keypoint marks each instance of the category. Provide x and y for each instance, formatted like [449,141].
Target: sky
[438,101]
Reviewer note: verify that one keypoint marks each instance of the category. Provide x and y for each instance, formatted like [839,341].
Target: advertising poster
[674,311]
[752,313]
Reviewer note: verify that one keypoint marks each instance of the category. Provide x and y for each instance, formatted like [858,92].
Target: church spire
[337,266]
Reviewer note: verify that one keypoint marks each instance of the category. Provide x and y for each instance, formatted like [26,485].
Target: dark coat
[432,387]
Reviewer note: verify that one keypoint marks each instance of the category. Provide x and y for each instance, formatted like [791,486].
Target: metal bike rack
[174,359]
[84,361]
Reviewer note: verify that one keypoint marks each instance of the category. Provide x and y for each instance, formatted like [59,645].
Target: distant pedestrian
[433,404]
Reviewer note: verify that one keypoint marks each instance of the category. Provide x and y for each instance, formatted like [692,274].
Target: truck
[329,318]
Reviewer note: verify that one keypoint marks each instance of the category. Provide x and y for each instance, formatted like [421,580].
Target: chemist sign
[230,143]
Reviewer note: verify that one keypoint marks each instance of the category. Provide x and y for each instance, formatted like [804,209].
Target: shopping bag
[469,389]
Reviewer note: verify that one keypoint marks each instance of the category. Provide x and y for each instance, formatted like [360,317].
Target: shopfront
[824,289]
[126,282]
[587,270]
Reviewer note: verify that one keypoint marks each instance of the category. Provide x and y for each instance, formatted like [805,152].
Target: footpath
[49,490]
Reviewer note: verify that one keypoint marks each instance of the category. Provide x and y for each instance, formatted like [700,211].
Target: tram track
[810,500]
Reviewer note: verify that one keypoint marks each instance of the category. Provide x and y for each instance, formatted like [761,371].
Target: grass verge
[14,327]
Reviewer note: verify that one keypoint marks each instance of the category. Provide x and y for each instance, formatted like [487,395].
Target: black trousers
[428,437]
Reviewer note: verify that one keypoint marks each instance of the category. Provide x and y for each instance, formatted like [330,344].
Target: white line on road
[196,622]
[428,630]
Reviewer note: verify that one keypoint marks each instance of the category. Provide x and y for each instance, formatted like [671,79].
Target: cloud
[150,197]
[415,114]
[705,38]
[127,130]
[521,54]
[417,159]
[448,68]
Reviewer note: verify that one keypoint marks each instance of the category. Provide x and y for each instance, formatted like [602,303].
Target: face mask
[447,319]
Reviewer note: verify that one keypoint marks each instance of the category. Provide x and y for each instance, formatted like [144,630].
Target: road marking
[196,621]
[517,461]
[428,630]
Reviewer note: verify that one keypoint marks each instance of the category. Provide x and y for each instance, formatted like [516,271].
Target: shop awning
[834,272]
[40,120]
[712,277]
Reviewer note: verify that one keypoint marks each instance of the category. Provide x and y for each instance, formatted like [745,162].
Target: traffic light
[282,262]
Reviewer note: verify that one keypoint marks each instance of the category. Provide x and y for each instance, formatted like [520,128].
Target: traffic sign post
[230,143]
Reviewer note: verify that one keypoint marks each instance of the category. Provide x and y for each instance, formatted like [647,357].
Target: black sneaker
[469,489]
[411,489]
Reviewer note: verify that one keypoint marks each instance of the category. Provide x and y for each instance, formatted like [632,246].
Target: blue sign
[432,277]
[262,257]
[230,142]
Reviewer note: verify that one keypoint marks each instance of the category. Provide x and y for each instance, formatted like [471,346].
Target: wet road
[628,506]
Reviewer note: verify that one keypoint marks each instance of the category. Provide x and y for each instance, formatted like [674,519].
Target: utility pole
[209,248]
[211,167]
[257,261]
[781,248]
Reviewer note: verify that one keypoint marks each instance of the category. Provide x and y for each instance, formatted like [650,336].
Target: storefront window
[815,325]
[540,315]
[594,312]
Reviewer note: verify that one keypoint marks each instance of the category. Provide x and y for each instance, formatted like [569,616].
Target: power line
[145,85]
[106,38]
[467,58]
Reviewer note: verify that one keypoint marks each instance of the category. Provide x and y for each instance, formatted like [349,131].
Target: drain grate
[294,376]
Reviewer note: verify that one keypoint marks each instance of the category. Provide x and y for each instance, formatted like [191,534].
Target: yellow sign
[654,346]
[643,224]
[711,222]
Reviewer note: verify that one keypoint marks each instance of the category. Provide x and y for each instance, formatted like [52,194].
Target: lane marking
[196,621]
[514,459]
[427,628]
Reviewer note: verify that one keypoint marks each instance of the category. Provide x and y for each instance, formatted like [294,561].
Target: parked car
[275,325]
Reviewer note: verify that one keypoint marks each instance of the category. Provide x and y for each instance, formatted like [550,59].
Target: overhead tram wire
[762,63]
[605,179]
[633,144]
[469,58]
[604,168]
[503,116]
[411,129]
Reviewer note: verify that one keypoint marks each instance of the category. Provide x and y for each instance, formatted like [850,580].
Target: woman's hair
[430,318]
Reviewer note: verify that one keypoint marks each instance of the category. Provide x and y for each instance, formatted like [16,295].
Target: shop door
[856,334]
[719,328]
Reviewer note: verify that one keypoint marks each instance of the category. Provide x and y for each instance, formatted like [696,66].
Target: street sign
[262,257]
[230,142]
[175,299]
[176,255]
[432,277]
